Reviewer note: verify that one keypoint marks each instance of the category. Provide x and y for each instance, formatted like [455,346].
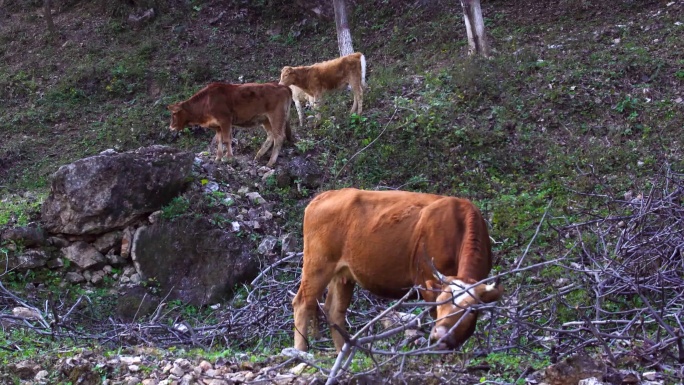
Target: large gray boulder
[109,191]
[192,260]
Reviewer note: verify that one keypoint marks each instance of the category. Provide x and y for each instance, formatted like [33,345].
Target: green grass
[18,210]
[530,125]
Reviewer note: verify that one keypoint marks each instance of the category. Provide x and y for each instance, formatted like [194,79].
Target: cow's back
[241,102]
[380,237]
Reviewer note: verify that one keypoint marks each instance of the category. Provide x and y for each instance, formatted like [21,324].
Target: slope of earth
[579,100]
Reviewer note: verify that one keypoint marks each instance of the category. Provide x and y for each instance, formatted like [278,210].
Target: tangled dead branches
[614,285]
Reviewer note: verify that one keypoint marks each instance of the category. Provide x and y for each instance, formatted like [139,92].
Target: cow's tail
[288,129]
[363,70]
[288,132]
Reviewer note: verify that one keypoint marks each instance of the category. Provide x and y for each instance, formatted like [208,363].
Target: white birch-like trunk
[474,22]
[344,39]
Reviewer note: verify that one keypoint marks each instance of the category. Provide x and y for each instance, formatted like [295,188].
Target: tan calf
[320,78]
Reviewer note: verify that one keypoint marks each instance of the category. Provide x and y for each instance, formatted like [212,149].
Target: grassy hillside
[579,104]
[571,89]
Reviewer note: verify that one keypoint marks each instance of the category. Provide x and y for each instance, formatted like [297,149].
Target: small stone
[183,363]
[267,244]
[24,369]
[243,190]
[211,187]
[84,255]
[218,382]
[292,352]
[177,371]
[150,381]
[74,277]
[56,263]
[132,380]
[133,368]
[255,198]
[58,242]
[135,279]
[205,365]
[41,376]
[116,260]
[97,277]
[26,313]
[107,241]
[31,259]
[650,376]
[289,244]
[128,360]
[299,369]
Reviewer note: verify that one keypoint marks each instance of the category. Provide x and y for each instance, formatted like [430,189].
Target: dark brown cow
[220,106]
[387,242]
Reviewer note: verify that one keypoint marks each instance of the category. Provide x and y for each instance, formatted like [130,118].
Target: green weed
[177,207]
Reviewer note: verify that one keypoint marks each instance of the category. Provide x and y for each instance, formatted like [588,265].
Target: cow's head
[454,322]
[179,117]
[287,76]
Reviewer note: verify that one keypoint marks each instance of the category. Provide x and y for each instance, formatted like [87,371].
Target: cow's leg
[317,101]
[305,303]
[227,138]
[278,135]
[269,140]
[300,111]
[357,90]
[219,145]
[340,292]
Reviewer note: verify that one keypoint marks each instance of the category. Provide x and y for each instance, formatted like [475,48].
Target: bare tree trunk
[48,17]
[472,15]
[344,40]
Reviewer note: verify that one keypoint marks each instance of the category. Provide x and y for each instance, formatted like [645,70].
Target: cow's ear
[433,285]
[489,292]
[174,107]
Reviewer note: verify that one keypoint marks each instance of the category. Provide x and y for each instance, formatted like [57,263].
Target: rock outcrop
[106,192]
[193,260]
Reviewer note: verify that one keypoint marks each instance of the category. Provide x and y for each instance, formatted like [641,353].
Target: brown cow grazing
[387,242]
[320,78]
[221,106]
